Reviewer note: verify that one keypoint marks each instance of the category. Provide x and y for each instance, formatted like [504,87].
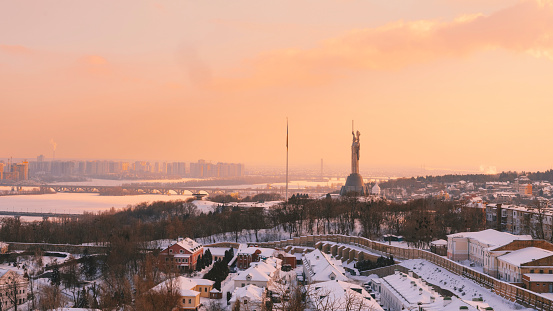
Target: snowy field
[462,287]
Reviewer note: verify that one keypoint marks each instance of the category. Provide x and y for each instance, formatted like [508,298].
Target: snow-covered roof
[439,242]
[321,267]
[340,295]
[491,237]
[525,255]
[189,244]
[216,251]
[251,292]
[414,292]
[539,277]
[185,285]
[254,274]
[264,267]
[264,252]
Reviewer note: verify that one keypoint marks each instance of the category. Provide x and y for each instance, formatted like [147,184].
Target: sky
[433,83]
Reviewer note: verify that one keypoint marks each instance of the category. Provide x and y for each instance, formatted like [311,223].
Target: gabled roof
[335,294]
[255,275]
[525,255]
[184,285]
[189,245]
[320,267]
[251,292]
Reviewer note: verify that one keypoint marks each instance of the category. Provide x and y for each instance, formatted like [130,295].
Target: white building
[341,296]
[512,266]
[474,246]
[401,291]
[251,297]
[260,274]
[320,267]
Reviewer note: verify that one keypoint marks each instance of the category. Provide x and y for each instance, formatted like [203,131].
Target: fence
[506,290]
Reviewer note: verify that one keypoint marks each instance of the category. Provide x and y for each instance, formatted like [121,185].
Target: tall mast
[286,199]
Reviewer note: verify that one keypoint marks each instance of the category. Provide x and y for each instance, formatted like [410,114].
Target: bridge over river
[44,215]
[162,189]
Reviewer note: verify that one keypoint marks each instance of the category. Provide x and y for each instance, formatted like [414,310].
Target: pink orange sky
[444,83]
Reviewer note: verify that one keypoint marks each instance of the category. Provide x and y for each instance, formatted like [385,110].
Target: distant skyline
[444,84]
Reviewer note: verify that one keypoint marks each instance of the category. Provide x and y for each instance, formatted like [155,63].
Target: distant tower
[322,175]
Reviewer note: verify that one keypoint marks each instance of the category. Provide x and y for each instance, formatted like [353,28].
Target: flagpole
[286,199]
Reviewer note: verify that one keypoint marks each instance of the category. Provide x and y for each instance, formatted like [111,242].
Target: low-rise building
[401,291]
[539,283]
[247,255]
[474,246]
[260,274]
[13,289]
[189,290]
[531,260]
[182,255]
[320,267]
[251,297]
[341,296]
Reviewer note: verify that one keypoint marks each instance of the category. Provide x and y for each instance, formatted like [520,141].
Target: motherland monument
[354,182]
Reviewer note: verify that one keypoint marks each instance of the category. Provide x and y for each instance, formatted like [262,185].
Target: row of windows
[541,271]
[183,260]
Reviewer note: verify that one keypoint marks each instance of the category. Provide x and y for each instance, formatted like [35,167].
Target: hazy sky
[445,83]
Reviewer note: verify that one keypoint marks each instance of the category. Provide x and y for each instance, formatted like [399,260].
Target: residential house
[13,288]
[341,296]
[320,267]
[260,274]
[247,255]
[251,297]
[190,291]
[182,255]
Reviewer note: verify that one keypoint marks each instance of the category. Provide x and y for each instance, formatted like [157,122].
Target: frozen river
[77,203]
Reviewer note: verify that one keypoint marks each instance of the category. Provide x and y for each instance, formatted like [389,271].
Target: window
[245,302]
[531,270]
[190,301]
[541,271]
[183,301]
[205,290]
[181,251]
[170,251]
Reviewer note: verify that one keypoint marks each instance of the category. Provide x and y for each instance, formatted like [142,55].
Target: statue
[354,182]
[355,146]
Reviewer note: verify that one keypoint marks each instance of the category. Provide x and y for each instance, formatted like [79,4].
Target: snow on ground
[472,265]
[463,287]
[205,206]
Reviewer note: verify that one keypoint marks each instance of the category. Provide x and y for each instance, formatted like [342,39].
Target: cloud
[524,27]
[15,49]
[94,65]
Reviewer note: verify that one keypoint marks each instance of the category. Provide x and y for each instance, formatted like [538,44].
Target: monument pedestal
[354,183]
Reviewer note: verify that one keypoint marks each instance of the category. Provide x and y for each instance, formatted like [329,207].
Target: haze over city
[445,84]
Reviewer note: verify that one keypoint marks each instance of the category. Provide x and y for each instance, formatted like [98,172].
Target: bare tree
[50,298]
[165,297]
